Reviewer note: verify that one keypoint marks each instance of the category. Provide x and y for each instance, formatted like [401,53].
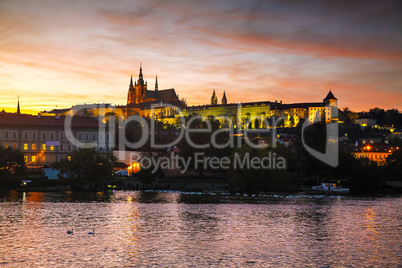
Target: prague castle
[159,105]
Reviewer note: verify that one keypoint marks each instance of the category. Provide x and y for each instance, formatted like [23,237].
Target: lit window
[51,148]
[33,146]
[69,158]
[6,145]
[25,158]
[25,146]
[51,158]
[44,159]
[44,147]
[33,158]
[14,146]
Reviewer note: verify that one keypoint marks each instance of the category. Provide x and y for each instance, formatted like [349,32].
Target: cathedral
[140,99]
[165,104]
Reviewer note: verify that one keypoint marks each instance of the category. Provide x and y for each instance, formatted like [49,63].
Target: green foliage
[394,165]
[11,163]
[88,167]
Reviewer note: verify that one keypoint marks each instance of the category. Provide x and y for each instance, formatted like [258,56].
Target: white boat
[330,188]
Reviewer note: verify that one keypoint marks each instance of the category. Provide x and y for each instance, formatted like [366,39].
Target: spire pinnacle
[18,106]
[131,81]
[140,70]
[224,100]
[156,83]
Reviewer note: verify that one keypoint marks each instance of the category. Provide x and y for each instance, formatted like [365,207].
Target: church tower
[136,92]
[214,99]
[130,97]
[224,100]
[18,106]
[330,100]
[156,83]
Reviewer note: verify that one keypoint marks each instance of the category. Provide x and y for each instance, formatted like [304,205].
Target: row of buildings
[164,105]
[43,139]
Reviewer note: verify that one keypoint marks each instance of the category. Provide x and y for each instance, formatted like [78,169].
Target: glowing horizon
[69,53]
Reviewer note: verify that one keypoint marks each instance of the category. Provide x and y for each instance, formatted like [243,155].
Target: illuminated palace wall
[255,112]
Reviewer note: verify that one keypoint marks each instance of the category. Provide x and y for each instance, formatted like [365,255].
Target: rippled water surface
[174,229]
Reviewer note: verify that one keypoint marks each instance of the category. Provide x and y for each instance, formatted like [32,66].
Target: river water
[192,229]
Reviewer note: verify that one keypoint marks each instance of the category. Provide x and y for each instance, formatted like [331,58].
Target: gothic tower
[224,100]
[18,106]
[130,97]
[136,92]
[214,99]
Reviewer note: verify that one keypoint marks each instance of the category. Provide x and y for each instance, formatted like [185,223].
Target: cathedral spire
[214,99]
[156,83]
[140,70]
[224,100]
[18,106]
[131,81]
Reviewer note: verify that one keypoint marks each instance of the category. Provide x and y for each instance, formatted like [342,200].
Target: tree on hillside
[88,167]
[11,162]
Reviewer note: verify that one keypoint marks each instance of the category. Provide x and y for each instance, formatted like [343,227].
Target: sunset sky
[72,52]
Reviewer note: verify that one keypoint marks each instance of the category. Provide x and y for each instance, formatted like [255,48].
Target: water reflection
[172,229]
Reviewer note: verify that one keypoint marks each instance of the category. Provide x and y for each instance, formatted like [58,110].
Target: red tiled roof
[34,120]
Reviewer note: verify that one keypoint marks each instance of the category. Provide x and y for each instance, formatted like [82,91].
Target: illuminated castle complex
[159,105]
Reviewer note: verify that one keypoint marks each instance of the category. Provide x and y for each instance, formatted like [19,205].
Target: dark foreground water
[181,230]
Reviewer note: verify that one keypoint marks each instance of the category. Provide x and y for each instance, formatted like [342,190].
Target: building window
[14,146]
[51,158]
[26,135]
[79,136]
[33,146]
[14,134]
[61,135]
[69,158]
[51,147]
[6,134]
[25,158]
[25,146]
[61,147]
[33,158]
[52,135]
[44,147]
[69,147]
[34,135]
[6,145]
[44,159]
[94,136]
[86,136]
[61,158]
[43,135]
